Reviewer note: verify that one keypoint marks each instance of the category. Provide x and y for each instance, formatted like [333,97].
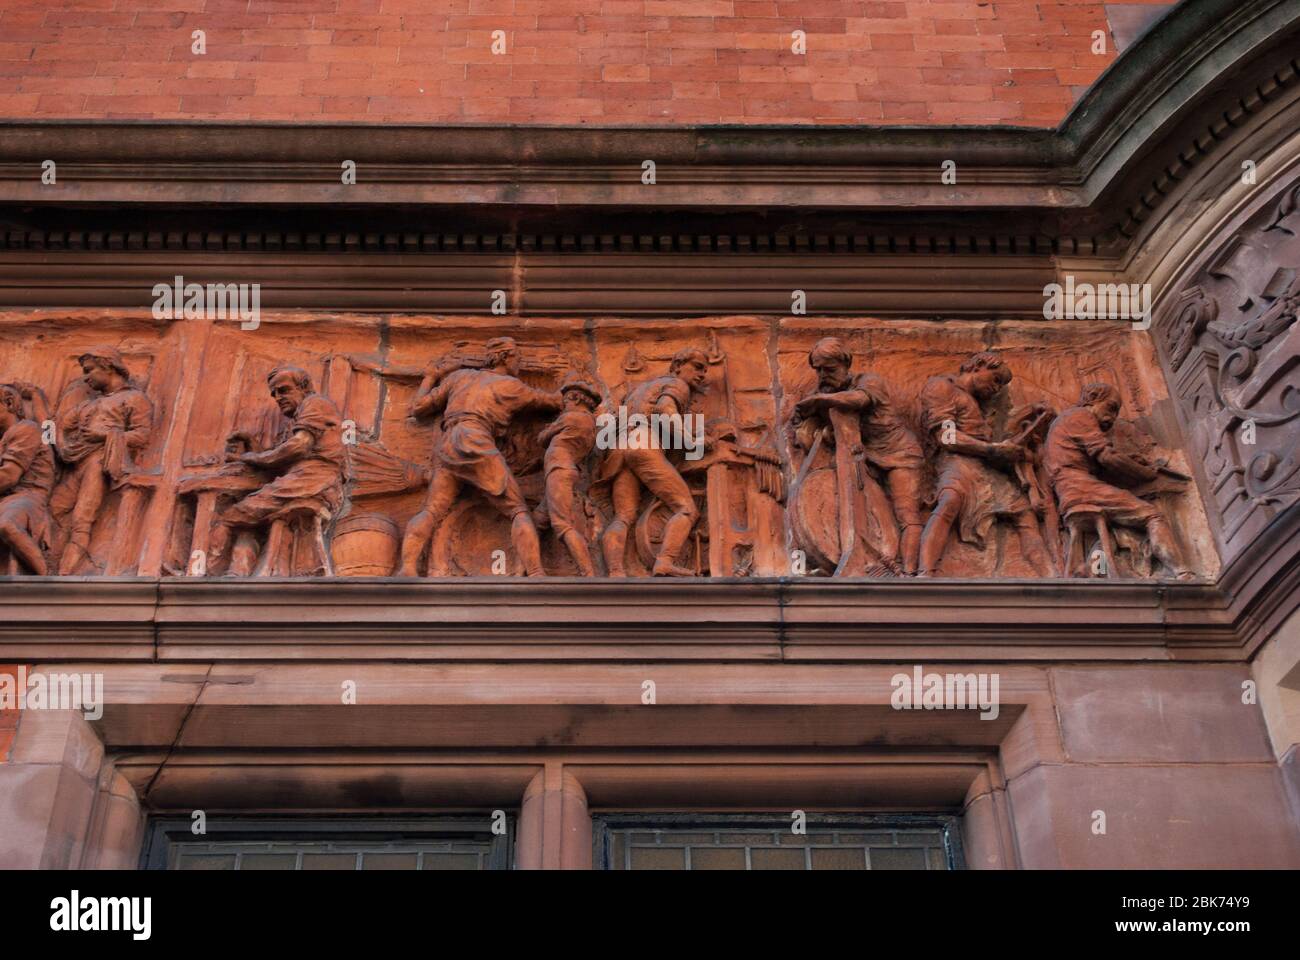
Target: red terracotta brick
[957,76]
[211,68]
[929,10]
[1035,77]
[548,89]
[695,91]
[891,41]
[1072,76]
[274,70]
[345,106]
[210,105]
[556,71]
[690,8]
[538,108]
[199,86]
[274,88]
[955,27]
[834,91]
[133,105]
[557,55]
[558,23]
[616,73]
[212,20]
[274,106]
[355,71]
[270,37]
[603,60]
[965,60]
[873,27]
[1034,94]
[1041,114]
[20,69]
[747,57]
[85,85]
[915,112]
[140,87]
[466,89]
[979,42]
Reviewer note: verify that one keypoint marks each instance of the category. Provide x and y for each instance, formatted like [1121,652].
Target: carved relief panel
[435,447]
[1231,347]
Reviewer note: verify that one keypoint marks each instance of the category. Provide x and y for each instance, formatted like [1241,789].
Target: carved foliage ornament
[1232,346]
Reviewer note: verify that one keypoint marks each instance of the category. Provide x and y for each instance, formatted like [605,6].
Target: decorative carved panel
[1231,347]
[421,446]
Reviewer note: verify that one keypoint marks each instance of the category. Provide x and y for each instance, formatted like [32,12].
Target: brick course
[577,61]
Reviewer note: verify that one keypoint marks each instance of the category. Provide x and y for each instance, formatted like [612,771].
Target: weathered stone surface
[1173,713]
[1211,816]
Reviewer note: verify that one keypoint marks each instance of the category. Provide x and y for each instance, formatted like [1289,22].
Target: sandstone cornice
[772,619]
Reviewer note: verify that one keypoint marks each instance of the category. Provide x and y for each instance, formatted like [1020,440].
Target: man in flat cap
[569,441]
[102,422]
[477,406]
[640,467]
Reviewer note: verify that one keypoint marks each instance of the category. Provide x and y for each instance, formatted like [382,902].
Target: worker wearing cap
[477,406]
[103,421]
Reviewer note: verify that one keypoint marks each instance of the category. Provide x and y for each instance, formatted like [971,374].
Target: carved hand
[809,405]
[1006,450]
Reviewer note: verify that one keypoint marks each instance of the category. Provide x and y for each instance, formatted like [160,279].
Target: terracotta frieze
[441,447]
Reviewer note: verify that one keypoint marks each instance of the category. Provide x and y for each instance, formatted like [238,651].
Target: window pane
[292,844]
[738,842]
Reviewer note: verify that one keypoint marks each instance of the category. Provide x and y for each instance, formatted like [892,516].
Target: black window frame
[163,831]
[603,822]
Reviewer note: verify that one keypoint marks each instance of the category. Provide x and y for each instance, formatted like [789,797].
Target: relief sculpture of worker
[1079,446]
[26,478]
[102,421]
[477,406]
[629,471]
[569,441]
[887,442]
[975,486]
[307,461]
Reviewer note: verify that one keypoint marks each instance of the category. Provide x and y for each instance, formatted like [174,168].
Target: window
[767,842]
[269,843]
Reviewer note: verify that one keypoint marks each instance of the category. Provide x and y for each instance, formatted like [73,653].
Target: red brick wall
[567,61]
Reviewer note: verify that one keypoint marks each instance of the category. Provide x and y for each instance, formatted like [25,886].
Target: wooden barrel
[365,545]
